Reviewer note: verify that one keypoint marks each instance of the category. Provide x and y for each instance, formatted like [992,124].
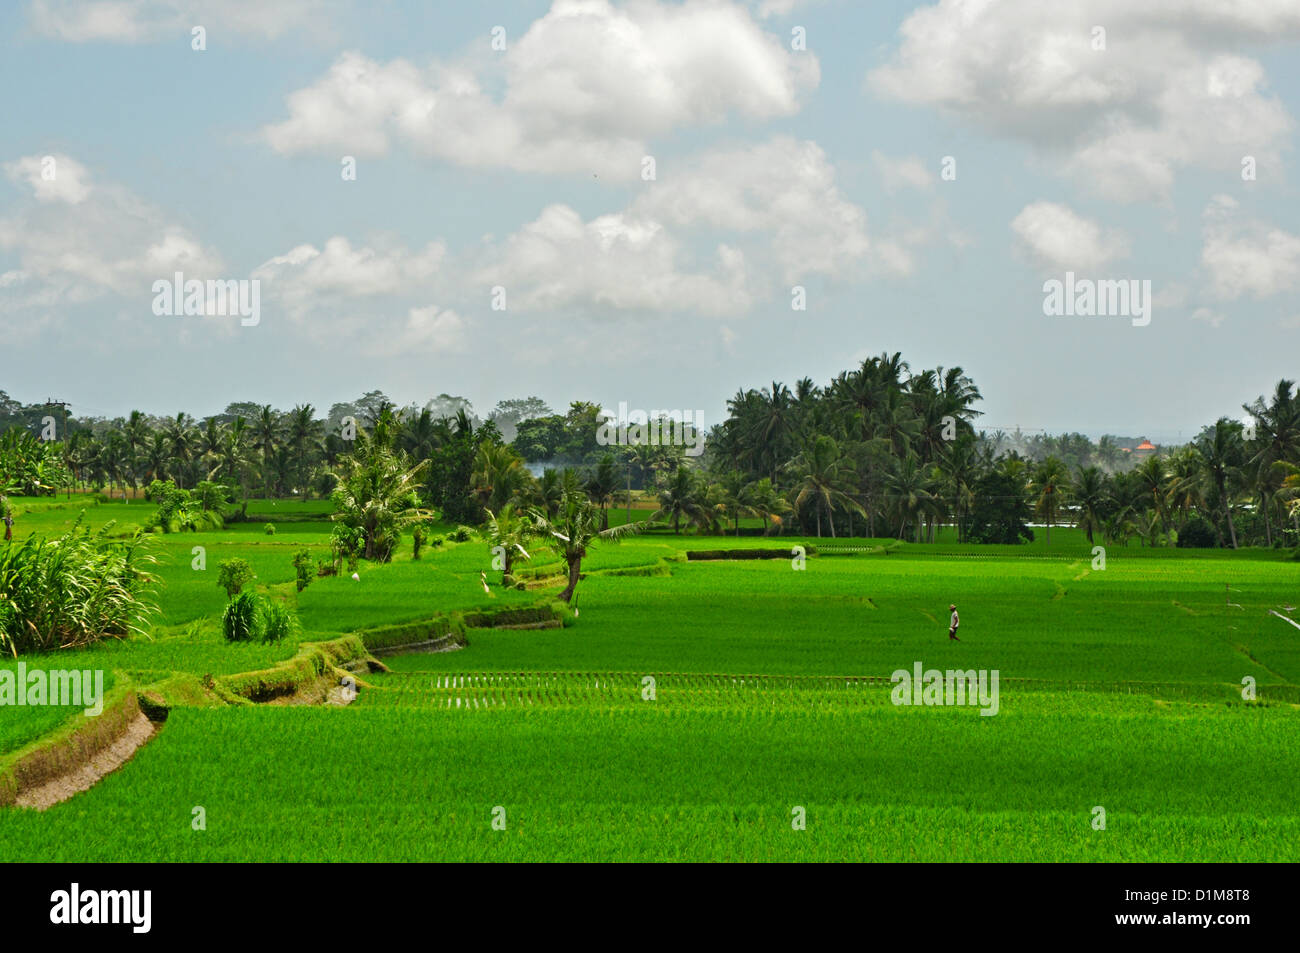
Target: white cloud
[1060,239]
[428,329]
[1244,256]
[76,244]
[784,189]
[138,21]
[585,89]
[902,172]
[1123,120]
[306,278]
[52,178]
[619,262]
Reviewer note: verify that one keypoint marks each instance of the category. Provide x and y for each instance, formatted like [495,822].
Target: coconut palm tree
[1222,453]
[267,429]
[767,504]
[1152,477]
[827,478]
[572,531]
[498,476]
[601,486]
[682,498]
[376,497]
[510,530]
[303,433]
[910,490]
[1050,483]
[1091,498]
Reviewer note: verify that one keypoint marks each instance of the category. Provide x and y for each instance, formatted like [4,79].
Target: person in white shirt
[952,626]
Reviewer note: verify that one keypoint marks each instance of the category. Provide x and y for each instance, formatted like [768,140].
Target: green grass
[20,724]
[656,782]
[1120,688]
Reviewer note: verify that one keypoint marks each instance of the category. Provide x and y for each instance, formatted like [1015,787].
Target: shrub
[234,575]
[275,621]
[72,591]
[239,623]
[304,568]
[270,529]
[462,534]
[1197,534]
[254,618]
[178,511]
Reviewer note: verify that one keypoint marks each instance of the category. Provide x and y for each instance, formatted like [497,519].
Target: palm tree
[181,439]
[376,497]
[775,425]
[827,478]
[910,491]
[304,433]
[1222,453]
[509,530]
[736,497]
[548,491]
[156,457]
[1185,485]
[237,453]
[767,504]
[1091,498]
[137,435]
[682,498]
[420,434]
[1152,478]
[959,470]
[572,531]
[499,475]
[601,486]
[266,437]
[1049,483]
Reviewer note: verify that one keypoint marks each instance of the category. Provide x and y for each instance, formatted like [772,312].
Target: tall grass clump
[72,590]
[250,617]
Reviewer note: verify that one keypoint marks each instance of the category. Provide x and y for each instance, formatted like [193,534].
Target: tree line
[878,451]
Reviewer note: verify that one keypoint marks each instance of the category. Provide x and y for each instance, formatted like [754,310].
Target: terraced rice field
[697,710]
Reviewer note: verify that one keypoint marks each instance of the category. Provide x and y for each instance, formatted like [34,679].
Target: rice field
[704,710]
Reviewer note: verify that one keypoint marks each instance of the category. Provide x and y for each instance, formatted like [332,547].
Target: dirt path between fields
[84,776]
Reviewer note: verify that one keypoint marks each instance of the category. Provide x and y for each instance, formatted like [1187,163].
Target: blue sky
[774,167]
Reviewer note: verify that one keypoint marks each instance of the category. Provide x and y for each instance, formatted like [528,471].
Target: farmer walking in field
[953,624]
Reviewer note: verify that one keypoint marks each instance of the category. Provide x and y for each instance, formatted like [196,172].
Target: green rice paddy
[1120,689]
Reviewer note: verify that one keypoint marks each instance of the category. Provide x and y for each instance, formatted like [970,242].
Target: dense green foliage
[72,590]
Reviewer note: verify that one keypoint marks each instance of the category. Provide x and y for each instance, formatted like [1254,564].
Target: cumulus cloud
[783,190]
[901,172]
[1059,239]
[585,89]
[52,178]
[137,21]
[431,328]
[75,243]
[1124,119]
[307,278]
[619,262]
[1246,257]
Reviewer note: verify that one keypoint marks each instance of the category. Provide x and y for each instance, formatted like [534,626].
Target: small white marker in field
[356,578]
